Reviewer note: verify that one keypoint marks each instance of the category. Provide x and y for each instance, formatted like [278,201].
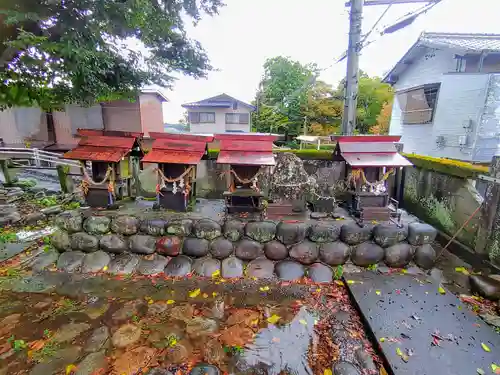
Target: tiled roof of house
[461,42]
[219,101]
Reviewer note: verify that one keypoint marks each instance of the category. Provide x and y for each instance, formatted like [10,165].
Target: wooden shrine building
[370,160]
[247,155]
[108,157]
[177,156]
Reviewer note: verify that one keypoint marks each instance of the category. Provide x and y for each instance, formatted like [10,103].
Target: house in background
[176,128]
[219,114]
[447,96]
[56,131]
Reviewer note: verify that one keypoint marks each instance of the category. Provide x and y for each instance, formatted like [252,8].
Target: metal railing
[36,157]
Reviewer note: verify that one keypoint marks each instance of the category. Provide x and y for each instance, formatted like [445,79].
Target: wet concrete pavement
[422,328]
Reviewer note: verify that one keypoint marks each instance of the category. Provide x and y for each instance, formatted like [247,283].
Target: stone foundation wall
[261,249]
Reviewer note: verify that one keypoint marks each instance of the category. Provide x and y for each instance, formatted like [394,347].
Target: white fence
[35,157]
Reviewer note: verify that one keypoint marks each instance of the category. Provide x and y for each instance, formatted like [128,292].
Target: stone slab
[411,310]
[10,250]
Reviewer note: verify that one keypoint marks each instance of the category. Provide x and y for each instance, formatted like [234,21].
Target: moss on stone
[447,166]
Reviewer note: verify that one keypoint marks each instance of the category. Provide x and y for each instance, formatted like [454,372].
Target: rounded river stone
[234,229]
[70,261]
[425,256]
[123,264]
[206,267]
[334,253]
[353,234]
[95,262]
[289,270]
[170,246]
[113,243]
[320,273]
[291,233]
[248,249]
[221,248]
[306,252]
[84,242]
[44,260]
[345,368]
[70,221]
[387,235]
[126,225]
[60,240]
[178,266]
[485,286]
[232,267]
[181,227]
[261,268]
[195,247]
[366,254]
[398,255]
[97,224]
[204,369]
[142,244]
[261,231]
[324,232]
[154,227]
[275,250]
[152,266]
[421,234]
[207,229]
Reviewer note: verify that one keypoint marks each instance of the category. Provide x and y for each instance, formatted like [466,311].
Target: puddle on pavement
[242,336]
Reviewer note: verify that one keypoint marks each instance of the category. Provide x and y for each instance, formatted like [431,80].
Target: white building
[447,101]
[219,114]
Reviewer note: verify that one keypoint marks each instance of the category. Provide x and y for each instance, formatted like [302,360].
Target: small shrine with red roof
[177,156]
[370,160]
[107,156]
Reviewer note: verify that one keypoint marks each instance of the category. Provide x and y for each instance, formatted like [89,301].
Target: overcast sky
[247,32]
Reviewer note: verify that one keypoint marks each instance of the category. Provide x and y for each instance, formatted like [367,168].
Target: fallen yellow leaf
[105,268]
[205,295]
[462,270]
[302,321]
[170,302]
[254,322]
[327,371]
[264,288]
[338,282]
[195,293]
[273,319]
[216,273]
[150,302]
[70,369]
[441,290]
[399,352]
[485,347]
[378,292]
[382,339]
[318,290]
[495,368]
[214,294]
[351,281]
[403,270]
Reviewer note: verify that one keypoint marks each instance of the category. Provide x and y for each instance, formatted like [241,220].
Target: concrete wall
[460,104]
[220,125]
[122,115]
[443,201]
[151,113]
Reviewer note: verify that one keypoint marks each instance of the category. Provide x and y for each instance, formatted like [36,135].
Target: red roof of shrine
[101,148]
[109,133]
[370,151]
[177,148]
[246,149]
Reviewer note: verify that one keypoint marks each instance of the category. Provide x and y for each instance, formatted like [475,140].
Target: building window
[419,104]
[237,118]
[202,117]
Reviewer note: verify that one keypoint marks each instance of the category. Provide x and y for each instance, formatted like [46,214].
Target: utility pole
[351,79]
[355,46]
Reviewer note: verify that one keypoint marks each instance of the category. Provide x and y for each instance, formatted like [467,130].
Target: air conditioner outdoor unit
[462,140]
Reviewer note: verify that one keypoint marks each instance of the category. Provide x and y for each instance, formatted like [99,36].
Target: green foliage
[49,350]
[307,154]
[339,271]
[47,201]
[447,166]
[17,345]
[71,206]
[6,235]
[290,97]
[53,53]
